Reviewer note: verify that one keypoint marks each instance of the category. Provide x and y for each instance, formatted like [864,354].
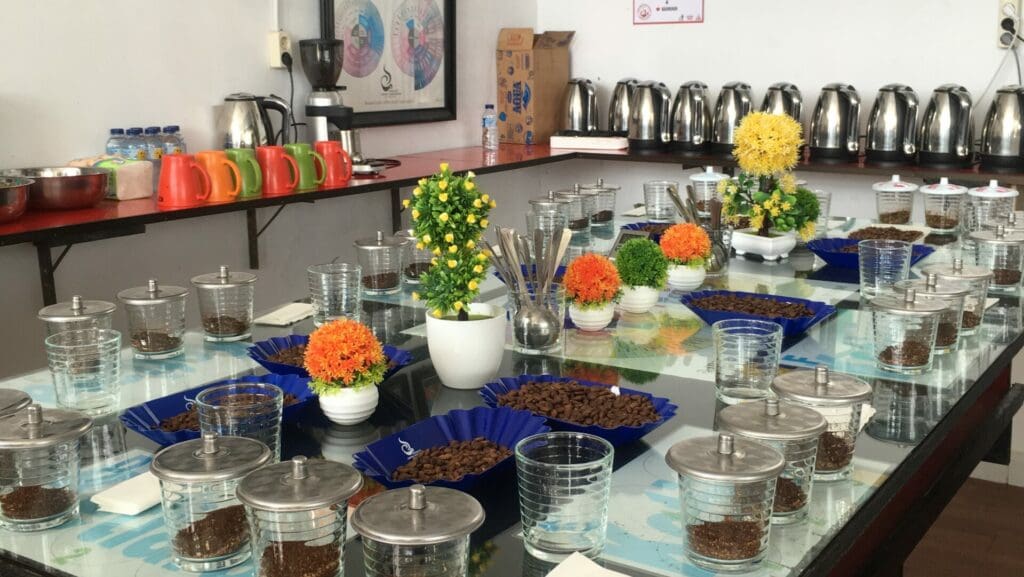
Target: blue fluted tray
[617,436]
[640,225]
[506,427]
[790,327]
[397,358]
[828,249]
[145,419]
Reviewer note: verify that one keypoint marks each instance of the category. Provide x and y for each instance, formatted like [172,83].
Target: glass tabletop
[666,352]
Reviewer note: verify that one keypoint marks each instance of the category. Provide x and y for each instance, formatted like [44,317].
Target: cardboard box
[533,71]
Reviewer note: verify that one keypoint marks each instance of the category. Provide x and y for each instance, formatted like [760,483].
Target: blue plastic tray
[639,226]
[145,419]
[790,327]
[617,436]
[397,358]
[505,427]
[829,251]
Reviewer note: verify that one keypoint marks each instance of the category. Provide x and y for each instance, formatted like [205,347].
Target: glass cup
[251,410]
[86,365]
[335,289]
[554,302]
[883,263]
[564,482]
[746,358]
[658,202]
[894,206]
[824,213]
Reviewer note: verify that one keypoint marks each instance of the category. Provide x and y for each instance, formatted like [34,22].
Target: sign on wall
[668,11]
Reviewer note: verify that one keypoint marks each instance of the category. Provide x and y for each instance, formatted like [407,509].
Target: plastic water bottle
[135,144]
[490,128]
[172,140]
[154,144]
[115,144]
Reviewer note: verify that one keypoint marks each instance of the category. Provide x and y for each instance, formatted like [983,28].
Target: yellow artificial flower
[426,238]
[437,251]
[443,217]
[478,203]
[444,167]
[419,246]
[468,185]
[453,249]
[775,212]
[471,218]
[485,198]
[484,255]
[415,296]
[458,305]
[723,185]
[443,197]
[417,192]
[437,313]
[433,262]
[415,214]
[483,223]
[473,285]
[470,174]
[452,263]
[443,185]
[422,182]
[478,269]
[470,244]
[449,237]
[756,221]
[756,209]
[733,189]
[787,182]
[767,144]
[786,206]
[493,204]
[807,230]
[405,202]
[777,195]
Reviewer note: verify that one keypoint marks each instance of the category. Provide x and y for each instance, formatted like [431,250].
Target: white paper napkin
[288,314]
[130,497]
[579,566]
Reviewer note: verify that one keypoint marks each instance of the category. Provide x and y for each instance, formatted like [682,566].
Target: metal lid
[152,293]
[894,185]
[997,236]
[821,387]
[709,175]
[601,185]
[943,187]
[568,197]
[35,429]
[210,459]
[550,202]
[957,271]
[773,420]
[408,233]
[75,310]
[1014,223]
[224,278]
[299,485]
[418,515]
[993,190]
[380,242]
[725,458]
[12,401]
[909,305]
[578,189]
[930,286]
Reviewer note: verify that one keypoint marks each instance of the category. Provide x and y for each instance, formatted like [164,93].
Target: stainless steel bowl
[13,197]
[63,187]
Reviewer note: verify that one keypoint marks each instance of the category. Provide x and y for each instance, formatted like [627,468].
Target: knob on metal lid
[821,387]
[725,458]
[76,309]
[299,485]
[379,241]
[34,428]
[152,293]
[224,277]
[958,271]
[772,420]
[418,515]
[210,458]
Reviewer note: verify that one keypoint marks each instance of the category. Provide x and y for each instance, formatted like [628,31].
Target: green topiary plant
[641,263]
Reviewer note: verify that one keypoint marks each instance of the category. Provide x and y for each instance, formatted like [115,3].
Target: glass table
[908,434]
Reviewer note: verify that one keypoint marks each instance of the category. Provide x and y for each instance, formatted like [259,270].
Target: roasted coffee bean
[154,341]
[581,404]
[452,462]
[946,334]
[906,354]
[971,320]
[1005,276]
[852,248]
[940,239]
[762,307]
[602,216]
[726,540]
[895,217]
[381,281]
[223,325]
[579,223]
[296,559]
[294,356]
[35,502]
[941,221]
[217,534]
[835,451]
[885,233]
[789,496]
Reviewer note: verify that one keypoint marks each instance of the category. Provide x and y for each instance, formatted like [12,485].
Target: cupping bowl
[262,350]
[64,187]
[829,250]
[790,327]
[13,197]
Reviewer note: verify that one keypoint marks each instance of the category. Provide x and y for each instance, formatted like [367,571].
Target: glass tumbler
[564,482]
[251,410]
[156,319]
[525,339]
[86,368]
[77,314]
[381,261]
[943,205]
[1003,254]
[951,294]
[335,289]
[658,202]
[894,200]
[225,304]
[882,264]
[746,358]
[905,330]
[977,280]
[416,260]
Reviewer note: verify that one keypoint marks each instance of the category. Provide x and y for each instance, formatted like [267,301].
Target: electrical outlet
[278,43]
[1008,24]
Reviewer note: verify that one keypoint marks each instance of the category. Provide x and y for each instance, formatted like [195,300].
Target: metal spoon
[536,327]
[676,200]
[719,255]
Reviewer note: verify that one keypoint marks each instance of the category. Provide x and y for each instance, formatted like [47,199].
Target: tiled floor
[981,533]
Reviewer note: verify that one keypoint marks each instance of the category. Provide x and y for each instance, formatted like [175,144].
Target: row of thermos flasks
[942,137]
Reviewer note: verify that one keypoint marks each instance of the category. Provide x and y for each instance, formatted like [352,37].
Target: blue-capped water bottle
[172,140]
[115,144]
[135,144]
[490,128]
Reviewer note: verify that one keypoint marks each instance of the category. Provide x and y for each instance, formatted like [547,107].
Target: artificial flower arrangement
[766,194]
[643,270]
[345,362]
[449,216]
[687,247]
[592,286]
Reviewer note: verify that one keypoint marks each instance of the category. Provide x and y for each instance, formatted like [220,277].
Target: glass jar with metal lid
[417,531]
[1003,254]
[77,314]
[792,430]
[905,328]
[156,319]
[380,258]
[203,517]
[297,512]
[894,200]
[604,212]
[992,203]
[416,261]
[950,293]
[1014,223]
[39,467]
[943,204]
[226,303]
[547,214]
[577,215]
[839,398]
[705,187]
[977,280]
[726,488]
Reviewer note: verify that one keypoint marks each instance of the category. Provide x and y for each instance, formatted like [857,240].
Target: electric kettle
[691,117]
[834,124]
[580,106]
[732,105]
[649,116]
[946,131]
[892,126]
[618,108]
[783,98]
[1002,147]
[242,121]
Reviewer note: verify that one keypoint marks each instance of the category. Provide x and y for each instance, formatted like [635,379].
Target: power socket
[278,43]
[1008,23]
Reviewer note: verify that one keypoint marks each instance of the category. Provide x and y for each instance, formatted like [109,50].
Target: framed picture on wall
[399,63]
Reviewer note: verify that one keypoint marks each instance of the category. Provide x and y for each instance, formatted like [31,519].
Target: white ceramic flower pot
[771,248]
[467,354]
[350,406]
[685,278]
[592,318]
[638,299]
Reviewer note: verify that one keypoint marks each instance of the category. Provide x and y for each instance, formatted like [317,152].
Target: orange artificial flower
[341,351]
[591,279]
[685,242]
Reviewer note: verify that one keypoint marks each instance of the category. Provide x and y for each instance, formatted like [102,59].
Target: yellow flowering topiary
[767,144]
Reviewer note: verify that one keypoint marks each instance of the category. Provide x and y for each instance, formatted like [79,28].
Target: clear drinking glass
[657,202]
[746,358]
[547,222]
[335,289]
[824,213]
[554,302]
[251,410]
[605,214]
[883,263]
[416,260]
[564,482]
[86,366]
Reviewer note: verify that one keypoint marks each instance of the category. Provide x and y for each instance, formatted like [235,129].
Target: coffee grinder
[327,117]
